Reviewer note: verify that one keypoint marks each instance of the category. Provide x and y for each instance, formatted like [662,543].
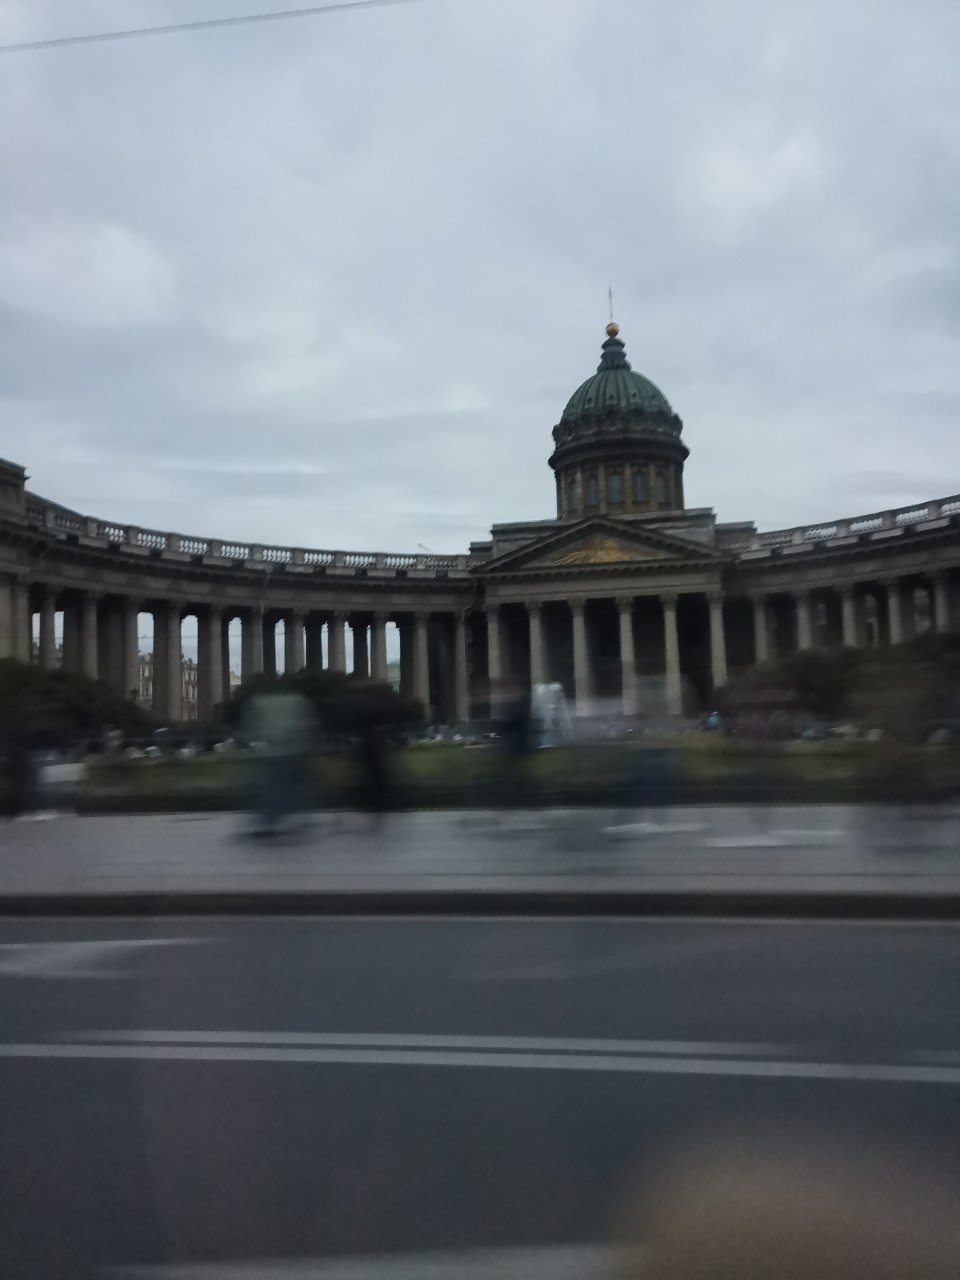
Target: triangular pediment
[602,548]
[602,543]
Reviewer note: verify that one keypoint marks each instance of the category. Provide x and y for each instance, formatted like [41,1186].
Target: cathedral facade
[631,600]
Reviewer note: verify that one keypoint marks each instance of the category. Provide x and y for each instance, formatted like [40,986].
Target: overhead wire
[204,24]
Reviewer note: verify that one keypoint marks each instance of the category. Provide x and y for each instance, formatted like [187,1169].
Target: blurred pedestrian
[514,733]
[279,726]
[18,789]
[375,783]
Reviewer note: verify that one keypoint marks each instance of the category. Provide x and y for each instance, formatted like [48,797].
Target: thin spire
[610,300]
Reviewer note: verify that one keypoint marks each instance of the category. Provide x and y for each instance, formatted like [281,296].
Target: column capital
[534,606]
[715,597]
[381,617]
[669,599]
[625,602]
[338,615]
[577,606]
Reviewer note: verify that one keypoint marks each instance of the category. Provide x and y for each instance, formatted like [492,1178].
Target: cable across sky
[173,28]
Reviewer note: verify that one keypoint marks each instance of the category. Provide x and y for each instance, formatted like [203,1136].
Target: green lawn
[441,775]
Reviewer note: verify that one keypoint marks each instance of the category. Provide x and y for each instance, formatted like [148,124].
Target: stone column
[16,624]
[941,602]
[336,647]
[674,695]
[48,637]
[804,623]
[405,626]
[71,634]
[268,630]
[226,689]
[6,617]
[209,661]
[22,622]
[251,644]
[421,662]
[130,647]
[718,642]
[110,644]
[361,660]
[378,647]
[314,630]
[494,667]
[538,657]
[88,634]
[582,683]
[168,663]
[628,657]
[848,615]
[894,610]
[461,679]
[293,650]
[761,630]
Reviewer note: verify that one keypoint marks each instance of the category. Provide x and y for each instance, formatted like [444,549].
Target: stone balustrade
[177,546]
[64,522]
[878,524]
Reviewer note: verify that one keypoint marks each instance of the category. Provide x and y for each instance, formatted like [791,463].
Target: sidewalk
[759,859]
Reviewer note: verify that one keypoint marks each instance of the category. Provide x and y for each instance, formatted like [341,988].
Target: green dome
[616,388]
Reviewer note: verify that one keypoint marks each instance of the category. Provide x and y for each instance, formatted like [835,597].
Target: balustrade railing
[194,546]
[152,541]
[64,521]
[856,526]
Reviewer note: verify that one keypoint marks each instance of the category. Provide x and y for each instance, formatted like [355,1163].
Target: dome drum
[618,426]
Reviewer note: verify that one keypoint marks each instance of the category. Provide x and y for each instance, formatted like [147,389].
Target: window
[661,481]
[615,486]
[571,493]
[639,486]
[593,489]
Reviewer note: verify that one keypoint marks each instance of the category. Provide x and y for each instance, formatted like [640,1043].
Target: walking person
[279,726]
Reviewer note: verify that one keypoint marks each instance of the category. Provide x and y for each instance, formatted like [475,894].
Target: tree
[345,705]
[59,708]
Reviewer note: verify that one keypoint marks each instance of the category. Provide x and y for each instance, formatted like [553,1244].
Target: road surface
[184,1091]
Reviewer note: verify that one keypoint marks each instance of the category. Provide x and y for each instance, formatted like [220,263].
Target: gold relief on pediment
[603,549]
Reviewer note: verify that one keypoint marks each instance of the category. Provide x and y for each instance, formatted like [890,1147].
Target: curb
[839,905]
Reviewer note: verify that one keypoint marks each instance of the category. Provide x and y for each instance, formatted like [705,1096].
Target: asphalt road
[177,1091]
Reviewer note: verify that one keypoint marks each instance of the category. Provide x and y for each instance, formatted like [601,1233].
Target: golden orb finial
[612,329]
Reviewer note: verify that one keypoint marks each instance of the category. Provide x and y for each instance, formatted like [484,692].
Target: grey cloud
[361,263]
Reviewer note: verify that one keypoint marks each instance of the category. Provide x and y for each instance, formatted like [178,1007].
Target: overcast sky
[330,282]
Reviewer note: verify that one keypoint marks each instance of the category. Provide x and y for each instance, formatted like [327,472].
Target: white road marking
[745,842]
[560,1262]
[892,1073]
[58,960]
[493,1044]
[626,829]
[809,835]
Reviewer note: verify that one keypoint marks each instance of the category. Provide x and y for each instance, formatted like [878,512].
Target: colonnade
[565,643]
[613,646]
[882,611]
[100,639]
